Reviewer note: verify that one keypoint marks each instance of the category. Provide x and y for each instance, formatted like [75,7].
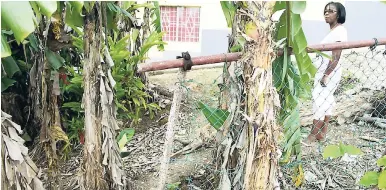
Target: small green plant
[76,130]
[336,151]
[372,178]
[131,97]
[124,137]
[173,186]
[73,114]
[130,91]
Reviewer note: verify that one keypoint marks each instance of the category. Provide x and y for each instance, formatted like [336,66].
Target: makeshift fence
[358,118]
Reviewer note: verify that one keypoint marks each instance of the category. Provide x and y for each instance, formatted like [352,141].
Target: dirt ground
[201,85]
[195,170]
[354,99]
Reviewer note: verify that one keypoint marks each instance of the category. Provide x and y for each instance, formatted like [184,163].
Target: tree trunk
[44,92]
[92,158]
[100,113]
[255,159]
[262,103]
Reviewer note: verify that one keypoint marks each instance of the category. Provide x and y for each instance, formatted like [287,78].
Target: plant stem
[288,12]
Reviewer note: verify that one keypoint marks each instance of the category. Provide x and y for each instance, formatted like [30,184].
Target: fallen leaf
[323,183]
[26,171]
[368,138]
[330,182]
[310,177]
[18,187]
[9,171]
[23,149]
[225,182]
[14,125]
[38,185]
[13,148]
[5,116]
[13,134]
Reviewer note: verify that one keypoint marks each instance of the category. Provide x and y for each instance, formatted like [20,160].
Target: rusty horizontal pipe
[176,63]
[341,45]
[346,45]
[203,60]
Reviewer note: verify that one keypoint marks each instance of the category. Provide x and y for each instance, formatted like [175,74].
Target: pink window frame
[181,24]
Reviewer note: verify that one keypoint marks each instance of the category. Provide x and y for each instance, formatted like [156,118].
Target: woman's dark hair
[341,11]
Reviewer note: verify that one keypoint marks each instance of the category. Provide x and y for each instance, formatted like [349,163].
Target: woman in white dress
[329,72]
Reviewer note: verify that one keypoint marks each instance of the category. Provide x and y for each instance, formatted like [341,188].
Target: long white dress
[323,99]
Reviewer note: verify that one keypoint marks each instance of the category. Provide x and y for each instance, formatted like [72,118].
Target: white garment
[323,99]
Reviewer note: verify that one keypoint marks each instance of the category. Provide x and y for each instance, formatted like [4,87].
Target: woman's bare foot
[309,145]
[321,138]
[310,139]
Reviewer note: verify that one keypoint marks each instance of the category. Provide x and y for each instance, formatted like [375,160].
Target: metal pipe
[225,57]
[346,45]
[176,63]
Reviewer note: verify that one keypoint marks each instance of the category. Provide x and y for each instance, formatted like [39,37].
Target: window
[181,24]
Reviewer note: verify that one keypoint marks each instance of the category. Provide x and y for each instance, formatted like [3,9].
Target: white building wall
[211,17]
[362,25]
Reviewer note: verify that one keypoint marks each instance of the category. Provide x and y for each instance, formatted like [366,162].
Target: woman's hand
[324,81]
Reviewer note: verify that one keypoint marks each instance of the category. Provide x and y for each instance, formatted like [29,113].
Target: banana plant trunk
[102,164]
[92,158]
[250,147]
[44,91]
[262,102]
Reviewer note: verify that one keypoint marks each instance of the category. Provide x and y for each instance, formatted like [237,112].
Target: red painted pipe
[203,60]
[346,45]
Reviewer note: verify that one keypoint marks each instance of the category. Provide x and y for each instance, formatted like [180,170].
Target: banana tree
[251,90]
[46,22]
[102,37]
[43,28]
[21,19]
[267,83]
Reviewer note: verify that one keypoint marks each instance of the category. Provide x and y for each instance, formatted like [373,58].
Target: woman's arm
[331,66]
[334,62]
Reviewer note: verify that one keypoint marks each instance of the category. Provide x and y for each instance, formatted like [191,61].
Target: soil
[196,170]
[185,171]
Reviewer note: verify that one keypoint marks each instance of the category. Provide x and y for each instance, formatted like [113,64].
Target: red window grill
[181,24]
